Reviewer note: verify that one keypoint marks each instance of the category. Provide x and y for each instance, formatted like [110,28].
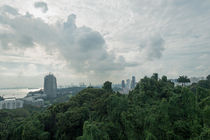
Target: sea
[16,92]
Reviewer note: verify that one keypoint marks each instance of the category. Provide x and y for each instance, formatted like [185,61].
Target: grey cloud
[8,9]
[70,23]
[88,49]
[25,30]
[153,46]
[83,48]
[41,5]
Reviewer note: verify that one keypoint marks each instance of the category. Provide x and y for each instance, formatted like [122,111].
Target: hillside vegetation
[154,110]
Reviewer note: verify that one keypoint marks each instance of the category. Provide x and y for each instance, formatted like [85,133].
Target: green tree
[155,76]
[33,130]
[164,78]
[94,131]
[155,109]
[183,80]
[206,116]
[107,86]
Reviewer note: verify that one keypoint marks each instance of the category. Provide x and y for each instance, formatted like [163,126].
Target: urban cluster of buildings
[128,85]
[38,98]
[50,91]
[34,98]
[11,103]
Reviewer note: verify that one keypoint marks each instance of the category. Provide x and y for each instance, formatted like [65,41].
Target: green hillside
[154,110]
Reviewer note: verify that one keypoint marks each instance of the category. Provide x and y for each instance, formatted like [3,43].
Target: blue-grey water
[18,93]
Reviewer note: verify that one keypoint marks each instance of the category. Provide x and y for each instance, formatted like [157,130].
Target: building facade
[133,82]
[11,103]
[123,84]
[128,83]
[32,100]
[50,86]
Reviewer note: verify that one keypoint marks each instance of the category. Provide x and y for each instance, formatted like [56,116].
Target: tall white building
[11,103]
[50,86]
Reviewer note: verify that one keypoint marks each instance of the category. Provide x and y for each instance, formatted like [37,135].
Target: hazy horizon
[94,41]
[72,84]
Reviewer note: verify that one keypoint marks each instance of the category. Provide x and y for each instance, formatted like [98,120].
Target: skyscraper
[133,82]
[123,84]
[128,82]
[50,86]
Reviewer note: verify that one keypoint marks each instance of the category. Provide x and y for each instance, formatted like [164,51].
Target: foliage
[155,109]
[107,86]
[183,80]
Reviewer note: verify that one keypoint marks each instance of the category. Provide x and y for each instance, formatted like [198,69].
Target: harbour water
[16,92]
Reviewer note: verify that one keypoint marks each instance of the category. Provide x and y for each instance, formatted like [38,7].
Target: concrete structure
[50,86]
[82,85]
[11,103]
[133,82]
[124,91]
[33,101]
[123,84]
[128,83]
[125,87]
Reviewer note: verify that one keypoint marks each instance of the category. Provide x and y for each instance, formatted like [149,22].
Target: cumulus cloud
[153,46]
[84,49]
[42,5]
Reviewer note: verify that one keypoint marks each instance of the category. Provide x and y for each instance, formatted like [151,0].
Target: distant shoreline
[16,92]
[19,88]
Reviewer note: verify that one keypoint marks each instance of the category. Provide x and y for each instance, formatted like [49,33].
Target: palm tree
[183,79]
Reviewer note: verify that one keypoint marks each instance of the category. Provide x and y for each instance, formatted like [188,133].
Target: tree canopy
[183,80]
[155,109]
[107,86]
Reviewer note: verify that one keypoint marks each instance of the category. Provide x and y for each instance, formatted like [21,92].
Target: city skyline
[82,41]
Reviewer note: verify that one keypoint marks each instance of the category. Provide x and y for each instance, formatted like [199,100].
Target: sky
[94,41]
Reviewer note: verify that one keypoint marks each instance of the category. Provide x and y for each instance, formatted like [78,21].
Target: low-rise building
[33,101]
[11,103]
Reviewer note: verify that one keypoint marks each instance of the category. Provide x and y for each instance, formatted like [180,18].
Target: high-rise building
[123,84]
[50,86]
[133,82]
[128,83]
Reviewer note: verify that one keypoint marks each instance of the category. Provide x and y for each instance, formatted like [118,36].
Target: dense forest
[154,110]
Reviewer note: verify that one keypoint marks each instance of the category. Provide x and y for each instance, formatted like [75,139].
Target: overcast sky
[93,41]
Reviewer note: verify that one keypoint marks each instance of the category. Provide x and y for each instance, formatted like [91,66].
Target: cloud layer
[83,48]
[102,38]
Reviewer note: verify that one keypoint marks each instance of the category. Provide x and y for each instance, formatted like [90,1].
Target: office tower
[133,82]
[50,86]
[123,84]
[128,83]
